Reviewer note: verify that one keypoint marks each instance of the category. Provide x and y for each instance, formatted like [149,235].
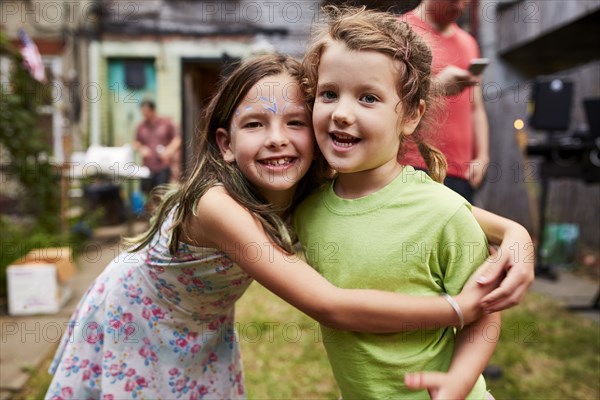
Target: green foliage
[25,161]
[24,141]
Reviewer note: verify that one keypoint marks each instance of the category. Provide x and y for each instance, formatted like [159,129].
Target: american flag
[31,57]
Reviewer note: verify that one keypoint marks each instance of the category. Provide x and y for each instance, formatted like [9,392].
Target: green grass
[288,361]
[545,352]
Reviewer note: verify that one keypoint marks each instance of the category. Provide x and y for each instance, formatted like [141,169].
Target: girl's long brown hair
[210,169]
[362,29]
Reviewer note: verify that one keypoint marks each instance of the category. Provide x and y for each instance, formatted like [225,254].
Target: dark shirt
[156,136]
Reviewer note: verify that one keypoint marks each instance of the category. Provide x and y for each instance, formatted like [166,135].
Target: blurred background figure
[464,133]
[158,141]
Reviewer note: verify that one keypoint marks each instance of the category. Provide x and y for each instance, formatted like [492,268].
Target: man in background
[158,141]
[464,132]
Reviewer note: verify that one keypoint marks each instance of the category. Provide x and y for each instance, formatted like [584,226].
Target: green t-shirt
[414,236]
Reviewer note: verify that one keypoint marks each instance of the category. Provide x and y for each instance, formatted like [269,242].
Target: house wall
[167,55]
[513,182]
[56,27]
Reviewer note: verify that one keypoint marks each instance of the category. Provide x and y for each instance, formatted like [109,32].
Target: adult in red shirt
[464,132]
[158,142]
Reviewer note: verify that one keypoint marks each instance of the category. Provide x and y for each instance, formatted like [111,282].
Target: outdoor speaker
[551,105]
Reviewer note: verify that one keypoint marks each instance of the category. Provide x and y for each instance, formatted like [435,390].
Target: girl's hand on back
[513,263]
[470,299]
[514,260]
[439,385]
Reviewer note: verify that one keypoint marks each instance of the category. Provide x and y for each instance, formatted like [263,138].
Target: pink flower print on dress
[114,323]
[129,331]
[68,363]
[158,313]
[96,369]
[100,287]
[141,382]
[215,323]
[66,392]
[146,300]
[108,397]
[93,333]
[133,291]
[173,371]
[129,386]
[199,283]
[183,279]
[87,374]
[180,384]
[114,369]
[144,351]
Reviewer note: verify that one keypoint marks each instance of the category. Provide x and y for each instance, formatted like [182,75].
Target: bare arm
[174,144]
[173,147]
[141,148]
[473,349]
[224,224]
[454,80]
[515,257]
[481,130]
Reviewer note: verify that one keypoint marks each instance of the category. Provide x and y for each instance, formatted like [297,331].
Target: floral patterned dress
[154,326]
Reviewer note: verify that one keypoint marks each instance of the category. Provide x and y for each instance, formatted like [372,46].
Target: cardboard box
[61,257]
[38,282]
[34,289]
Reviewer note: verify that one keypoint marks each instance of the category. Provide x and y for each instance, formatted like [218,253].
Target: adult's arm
[481,131]
[174,144]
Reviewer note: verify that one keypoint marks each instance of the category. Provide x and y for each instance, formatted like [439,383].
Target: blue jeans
[460,186]
[156,178]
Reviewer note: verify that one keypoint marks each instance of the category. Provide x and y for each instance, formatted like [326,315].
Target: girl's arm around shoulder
[225,224]
[515,257]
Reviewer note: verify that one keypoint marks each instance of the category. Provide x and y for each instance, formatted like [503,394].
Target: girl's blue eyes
[368,98]
[328,95]
[256,124]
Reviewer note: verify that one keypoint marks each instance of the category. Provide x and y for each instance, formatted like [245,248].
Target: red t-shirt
[455,136]
[156,136]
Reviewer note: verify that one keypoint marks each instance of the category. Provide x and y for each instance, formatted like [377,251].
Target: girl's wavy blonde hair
[362,29]
[210,168]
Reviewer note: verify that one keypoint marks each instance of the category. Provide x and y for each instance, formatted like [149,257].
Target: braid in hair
[435,160]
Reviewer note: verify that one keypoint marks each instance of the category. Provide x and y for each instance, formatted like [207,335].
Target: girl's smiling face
[358,115]
[270,136]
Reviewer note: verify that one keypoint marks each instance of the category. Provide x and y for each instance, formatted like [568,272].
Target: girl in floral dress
[158,323]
